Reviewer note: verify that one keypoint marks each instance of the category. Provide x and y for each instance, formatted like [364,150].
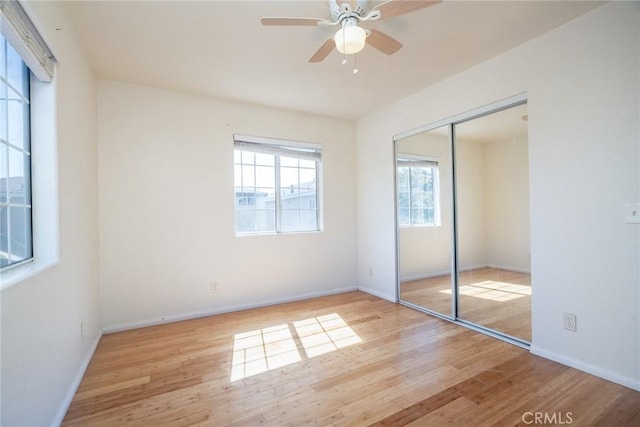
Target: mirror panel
[424,202]
[492,208]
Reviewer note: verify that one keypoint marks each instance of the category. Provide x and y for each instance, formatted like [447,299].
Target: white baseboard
[585,367]
[383,295]
[68,397]
[462,269]
[221,310]
[510,268]
[425,276]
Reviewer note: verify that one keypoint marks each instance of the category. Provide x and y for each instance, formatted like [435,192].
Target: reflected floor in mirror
[490,297]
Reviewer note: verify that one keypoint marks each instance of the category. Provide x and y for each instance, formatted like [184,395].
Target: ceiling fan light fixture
[350,39]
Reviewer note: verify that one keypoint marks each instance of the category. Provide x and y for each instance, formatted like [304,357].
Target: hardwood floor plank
[404,367]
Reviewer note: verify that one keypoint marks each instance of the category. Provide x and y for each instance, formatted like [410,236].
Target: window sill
[282,233]
[24,272]
[421,226]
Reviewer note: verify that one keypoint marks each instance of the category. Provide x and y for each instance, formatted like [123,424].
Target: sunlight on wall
[495,291]
[270,348]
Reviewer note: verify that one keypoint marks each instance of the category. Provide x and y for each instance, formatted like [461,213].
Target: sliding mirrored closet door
[424,202]
[492,206]
[462,195]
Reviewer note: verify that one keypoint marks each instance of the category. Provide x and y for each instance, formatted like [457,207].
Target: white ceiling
[219,48]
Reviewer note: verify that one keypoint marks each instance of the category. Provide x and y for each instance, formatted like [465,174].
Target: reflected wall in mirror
[492,207]
[424,191]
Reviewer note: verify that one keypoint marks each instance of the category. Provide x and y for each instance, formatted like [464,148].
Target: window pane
[288,161]
[245,220]
[237,176]
[307,176]
[403,200]
[17,125]
[416,216]
[403,179]
[245,200]
[403,216]
[3,110]
[290,199]
[237,156]
[308,219]
[266,220]
[3,56]
[4,173]
[307,164]
[248,157]
[290,220]
[416,198]
[19,177]
[288,177]
[265,159]
[427,216]
[20,233]
[265,176]
[248,176]
[4,237]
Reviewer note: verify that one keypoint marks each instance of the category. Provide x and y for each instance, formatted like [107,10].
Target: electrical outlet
[370,271]
[569,320]
[83,333]
[214,287]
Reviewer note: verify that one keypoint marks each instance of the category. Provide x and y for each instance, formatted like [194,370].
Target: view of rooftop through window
[276,189]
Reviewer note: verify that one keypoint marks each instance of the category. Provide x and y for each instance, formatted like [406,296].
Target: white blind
[300,151]
[20,32]
[409,161]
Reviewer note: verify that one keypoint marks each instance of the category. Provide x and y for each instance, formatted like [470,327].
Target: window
[28,220]
[418,200]
[276,185]
[15,159]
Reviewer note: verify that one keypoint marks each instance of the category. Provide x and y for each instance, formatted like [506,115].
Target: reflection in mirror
[424,189]
[492,207]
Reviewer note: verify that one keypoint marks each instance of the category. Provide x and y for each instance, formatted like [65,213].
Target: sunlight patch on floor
[270,348]
[323,334]
[492,290]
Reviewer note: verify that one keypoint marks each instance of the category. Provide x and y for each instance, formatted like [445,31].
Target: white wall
[471,194]
[42,351]
[506,182]
[166,208]
[582,81]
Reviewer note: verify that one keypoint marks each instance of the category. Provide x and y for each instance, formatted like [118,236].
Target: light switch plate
[632,213]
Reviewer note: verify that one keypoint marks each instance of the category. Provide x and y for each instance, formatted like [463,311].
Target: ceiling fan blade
[324,51]
[304,22]
[383,42]
[400,7]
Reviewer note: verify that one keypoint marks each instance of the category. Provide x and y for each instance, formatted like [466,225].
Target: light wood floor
[491,297]
[349,359]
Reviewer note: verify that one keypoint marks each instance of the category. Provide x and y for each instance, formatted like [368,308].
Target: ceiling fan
[351,38]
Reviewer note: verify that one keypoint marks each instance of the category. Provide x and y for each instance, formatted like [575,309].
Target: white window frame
[415,161]
[285,148]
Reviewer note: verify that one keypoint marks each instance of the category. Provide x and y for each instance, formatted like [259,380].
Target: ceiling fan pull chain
[355,64]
